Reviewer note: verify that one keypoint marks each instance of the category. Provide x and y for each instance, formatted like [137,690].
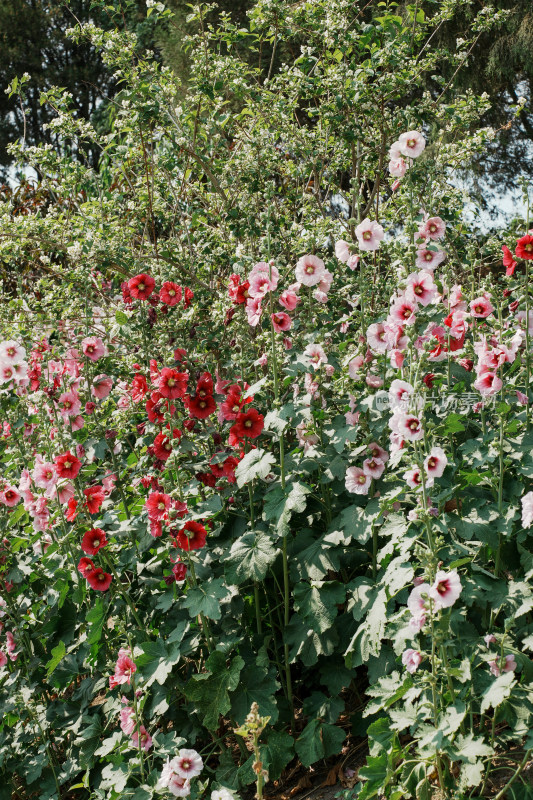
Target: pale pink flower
[507,665]
[418,603]
[396,358]
[352,262]
[310,385]
[411,144]
[325,282]
[315,353]
[481,307]
[413,478]
[262,361]
[398,167]
[354,366]
[446,589]
[488,384]
[260,284]
[357,482]
[188,764]
[179,787]
[521,317]
[403,311]
[409,427]
[411,659]
[374,381]
[9,496]
[11,352]
[102,385]
[146,739]
[289,299]
[421,288]
[3,659]
[124,669]
[369,234]
[310,270]
[253,311]
[429,259]
[127,720]
[342,250]
[527,510]
[400,392]
[378,452]
[281,321]
[69,404]
[432,228]
[376,337]
[373,467]
[11,646]
[489,639]
[93,347]
[305,439]
[435,462]
[320,296]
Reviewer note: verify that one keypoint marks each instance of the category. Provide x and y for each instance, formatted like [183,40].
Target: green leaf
[277,753]
[255,464]
[210,690]
[257,685]
[121,318]
[158,658]
[250,557]
[58,653]
[498,691]
[318,740]
[206,598]
[317,603]
[356,521]
[280,504]
[366,641]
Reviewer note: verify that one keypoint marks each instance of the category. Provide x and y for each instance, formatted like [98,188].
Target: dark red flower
[95,496]
[99,580]
[163,444]
[513,306]
[67,465]
[508,261]
[157,505]
[192,536]
[428,379]
[85,565]
[204,385]
[189,424]
[200,407]
[93,540]
[179,570]
[233,403]
[524,247]
[170,293]
[139,388]
[180,354]
[127,297]
[141,286]
[206,478]
[172,383]
[248,424]
[189,296]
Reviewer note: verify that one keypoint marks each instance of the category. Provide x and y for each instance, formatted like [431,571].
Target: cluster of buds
[251,729]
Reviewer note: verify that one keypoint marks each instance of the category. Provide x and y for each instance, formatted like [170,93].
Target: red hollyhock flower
[428,379]
[508,261]
[99,580]
[139,388]
[157,504]
[226,469]
[93,540]
[179,570]
[524,247]
[95,496]
[200,407]
[204,385]
[172,383]
[248,425]
[67,465]
[192,536]
[189,296]
[154,407]
[233,403]
[206,478]
[85,565]
[72,511]
[170,293]
[180,354]
[163,444]
[141,286]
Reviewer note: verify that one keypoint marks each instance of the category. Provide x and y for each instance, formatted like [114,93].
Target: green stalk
[203,619]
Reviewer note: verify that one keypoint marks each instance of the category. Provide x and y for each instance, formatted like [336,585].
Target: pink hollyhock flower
[378,452]
[315,353]
[373,467]
[403,311]
[374,381]
[432,228]
[508,664]
[11,352]
[446,589]
[69,404]
[421,288]
[400,392]
[11,646]
[3,659]
[489,639]
[429,259]
[435,462]
[527,510]
[376,337]
[9,496]
[398,167]
[188,764]
[176,784]
[262,361]
[61,492]
[124,669]
[253,311]
[354,366]
[369,234]
[93,347]
[396,358]
[146,739]
[260,284]
[357,481]
[289,299]
[342,250]
[127,720]
[418,603]
[44,473]
[488,384]
[102,386]
[305,440]
[281,321]
[411,659]
[413,478]
[411,144]
[352,262]
[409,427]
[310,270]
[481,307]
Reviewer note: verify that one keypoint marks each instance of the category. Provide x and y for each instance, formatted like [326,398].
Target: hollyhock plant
[170,293]
[369,235]
[411,144]
[192,536]
[446,589]
[125,668]
[524,249]
[171,383]
[67,465]
[93,540]
[411,659]
[310,270]
[93,348]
